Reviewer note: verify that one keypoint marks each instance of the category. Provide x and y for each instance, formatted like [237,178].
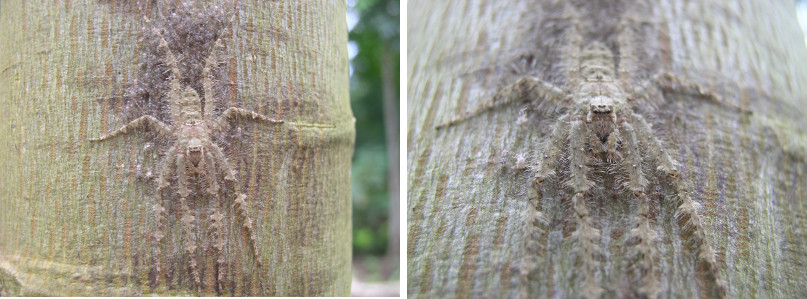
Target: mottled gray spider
[600,131]
[196,159]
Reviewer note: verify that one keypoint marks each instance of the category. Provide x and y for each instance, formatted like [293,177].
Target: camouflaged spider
[600,131]
[194,156]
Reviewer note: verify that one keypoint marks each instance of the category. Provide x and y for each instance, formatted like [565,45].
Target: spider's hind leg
[687,213]
[217,220]
[159,212]
[187,221]
[547,160]
[240,205]
[586,234]
[642,236]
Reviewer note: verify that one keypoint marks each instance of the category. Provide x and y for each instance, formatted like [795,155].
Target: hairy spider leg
[586,234]
[629,36]
[207,80]
[643,234]
[174,93]
[672,83]
[547,160]
[687,212]
[209,172]
[222,123]
[571,49]
[524,90]
[240,203]
[216,217]
[159,210]
[549,157]
[187,218]
[146,121]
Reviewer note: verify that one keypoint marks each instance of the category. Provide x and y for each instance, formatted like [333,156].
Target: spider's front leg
[586,234]
[524,90]
[687,213]
[172,63]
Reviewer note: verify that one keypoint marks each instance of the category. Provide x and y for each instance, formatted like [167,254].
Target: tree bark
[78,217]
[744,158]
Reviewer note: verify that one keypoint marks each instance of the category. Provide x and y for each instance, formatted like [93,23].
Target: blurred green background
[374,49]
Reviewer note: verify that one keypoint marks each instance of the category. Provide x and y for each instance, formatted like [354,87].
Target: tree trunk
[82,218]
[742,155]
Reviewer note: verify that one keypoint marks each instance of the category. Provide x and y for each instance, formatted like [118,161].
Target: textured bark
[77,217]
[467,233]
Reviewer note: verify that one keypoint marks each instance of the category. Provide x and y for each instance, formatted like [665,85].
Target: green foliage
[376,37]
[370,200]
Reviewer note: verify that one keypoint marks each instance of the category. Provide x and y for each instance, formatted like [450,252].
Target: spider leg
[571,50]
[654,145]
[207,80]
[240,203]
[524,90]
[611,152]
[210,174]
[672,83]
[216,218]
[533,217]
[643,234]
[159,210]
[218,240]
[187,221]
[222,123]
[171,61]
[219,158]
[586,234]
[687,213]
[549,157]
[211,61]
[636,180]
[146,121]
[182,176]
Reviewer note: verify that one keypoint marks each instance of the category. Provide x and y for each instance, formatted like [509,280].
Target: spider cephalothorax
[197,161]
[600,135]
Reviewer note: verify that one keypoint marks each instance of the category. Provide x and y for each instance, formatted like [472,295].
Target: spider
[197,160]
[600,132]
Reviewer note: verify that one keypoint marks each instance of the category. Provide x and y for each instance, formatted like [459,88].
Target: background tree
[468,233]
[374,97]
[78,217]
